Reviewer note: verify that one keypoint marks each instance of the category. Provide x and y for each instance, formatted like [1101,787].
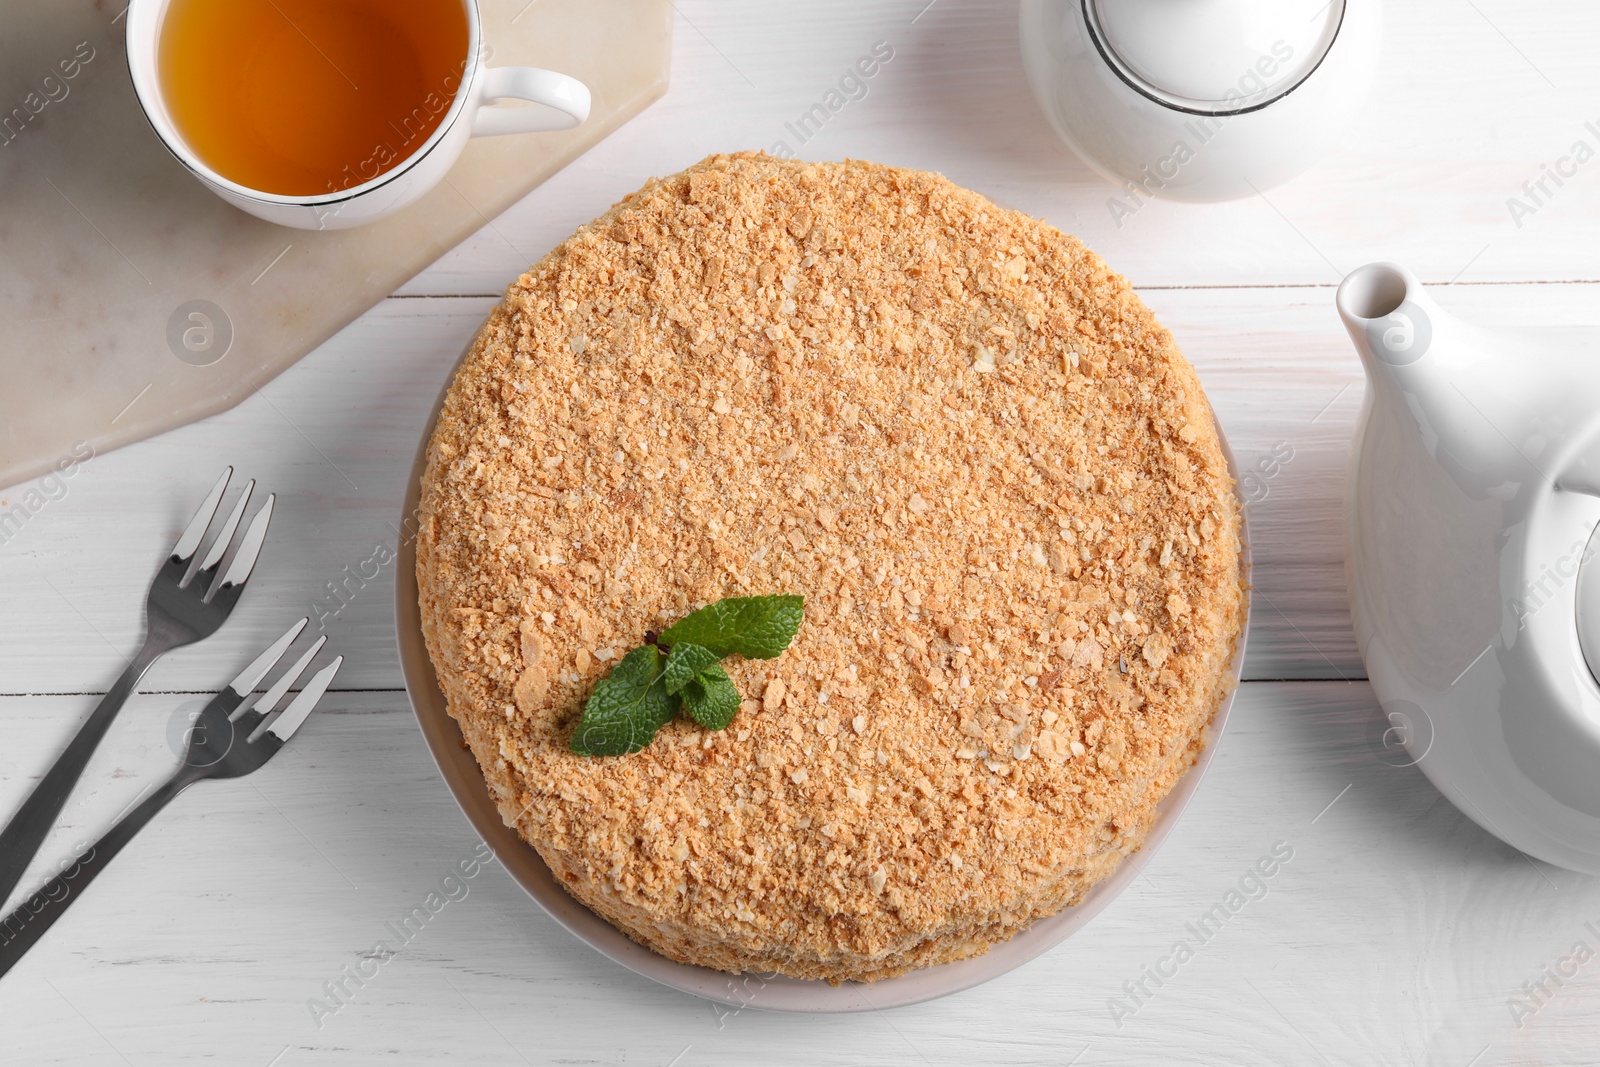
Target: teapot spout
[1389,318]
[1417,359]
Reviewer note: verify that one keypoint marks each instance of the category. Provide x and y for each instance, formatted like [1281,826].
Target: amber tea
[308,97]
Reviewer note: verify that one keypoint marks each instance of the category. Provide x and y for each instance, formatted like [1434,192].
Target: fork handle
[28,923]
[20,840]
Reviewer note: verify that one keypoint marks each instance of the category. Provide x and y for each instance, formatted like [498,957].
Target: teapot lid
[1214,56]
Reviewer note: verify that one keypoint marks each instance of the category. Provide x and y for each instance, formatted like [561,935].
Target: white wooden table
[1398,933]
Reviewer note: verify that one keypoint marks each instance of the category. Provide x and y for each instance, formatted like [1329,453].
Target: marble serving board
[132,300]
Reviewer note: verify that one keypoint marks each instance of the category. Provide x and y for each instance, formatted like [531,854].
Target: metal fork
[223,743]
[186,603]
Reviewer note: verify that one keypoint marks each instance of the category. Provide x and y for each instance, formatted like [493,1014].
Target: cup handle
[565,101]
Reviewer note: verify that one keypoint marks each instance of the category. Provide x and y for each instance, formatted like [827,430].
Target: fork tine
[219,547]
[270,698]
[249,546]
[284,726]
[251,676]
[189,542]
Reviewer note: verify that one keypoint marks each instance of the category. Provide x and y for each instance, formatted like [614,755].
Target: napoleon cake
[948,426]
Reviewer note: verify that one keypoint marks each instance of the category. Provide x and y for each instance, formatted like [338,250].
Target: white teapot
[1473,501]
[1199,99]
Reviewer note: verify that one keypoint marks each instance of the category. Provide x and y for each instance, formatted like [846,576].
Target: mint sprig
[682,671]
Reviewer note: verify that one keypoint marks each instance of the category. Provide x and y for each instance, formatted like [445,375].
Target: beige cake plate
[772,993]
[109,249]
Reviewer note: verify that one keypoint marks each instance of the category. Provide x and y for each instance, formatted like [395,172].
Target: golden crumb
[964,440]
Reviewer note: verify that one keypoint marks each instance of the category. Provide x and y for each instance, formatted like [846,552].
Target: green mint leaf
[710,698]
[684,662]
[626,708]
[756,627]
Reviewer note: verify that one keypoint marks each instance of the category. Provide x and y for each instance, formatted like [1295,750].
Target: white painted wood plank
[336,438]
[1472,101]
[1398,932]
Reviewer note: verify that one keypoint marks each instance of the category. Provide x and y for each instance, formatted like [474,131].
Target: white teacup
[565,103]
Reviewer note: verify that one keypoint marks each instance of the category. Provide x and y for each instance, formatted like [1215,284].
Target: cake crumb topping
[965,441]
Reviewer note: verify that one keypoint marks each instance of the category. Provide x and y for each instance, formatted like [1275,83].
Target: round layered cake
[948,426]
